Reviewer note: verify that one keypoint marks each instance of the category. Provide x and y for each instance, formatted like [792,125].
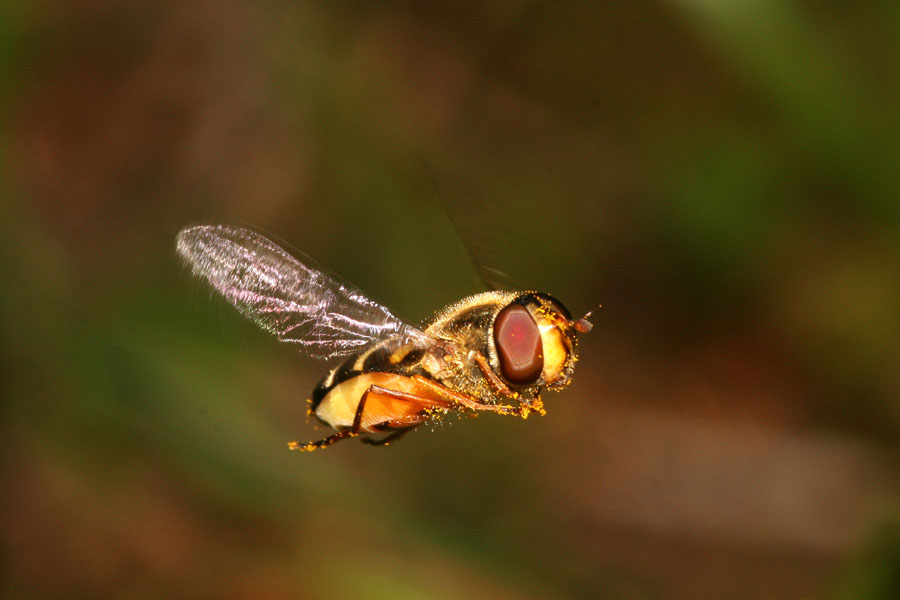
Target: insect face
[534,342]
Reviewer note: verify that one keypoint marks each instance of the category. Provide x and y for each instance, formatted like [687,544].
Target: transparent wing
[297,303]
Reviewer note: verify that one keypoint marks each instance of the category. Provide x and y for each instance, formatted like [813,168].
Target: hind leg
[390,438]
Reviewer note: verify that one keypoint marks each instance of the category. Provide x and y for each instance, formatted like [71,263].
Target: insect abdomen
[338,406]
[386,357]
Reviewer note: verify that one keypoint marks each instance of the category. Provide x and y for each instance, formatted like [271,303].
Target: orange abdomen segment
[338,407]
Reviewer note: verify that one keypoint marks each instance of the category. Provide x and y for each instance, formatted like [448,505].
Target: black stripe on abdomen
[335,377]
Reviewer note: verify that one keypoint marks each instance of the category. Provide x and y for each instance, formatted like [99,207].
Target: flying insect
[491,352]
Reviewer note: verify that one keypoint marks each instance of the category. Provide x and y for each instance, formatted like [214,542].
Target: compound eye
[519,346]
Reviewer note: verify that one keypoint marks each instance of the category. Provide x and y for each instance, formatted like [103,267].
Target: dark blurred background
[723,177]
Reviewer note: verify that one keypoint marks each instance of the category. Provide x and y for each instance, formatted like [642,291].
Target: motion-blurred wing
[297,303]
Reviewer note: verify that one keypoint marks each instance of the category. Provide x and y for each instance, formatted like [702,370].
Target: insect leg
[536,404]
[495,381]
[472,402]
[409,397]
[499,386]
[390,438]
[323,443]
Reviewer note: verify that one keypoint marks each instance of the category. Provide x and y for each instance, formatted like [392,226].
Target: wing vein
[297,303]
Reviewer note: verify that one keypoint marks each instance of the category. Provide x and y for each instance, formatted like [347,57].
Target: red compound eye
[519,346]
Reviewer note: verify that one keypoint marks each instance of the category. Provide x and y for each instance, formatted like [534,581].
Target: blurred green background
[723,177]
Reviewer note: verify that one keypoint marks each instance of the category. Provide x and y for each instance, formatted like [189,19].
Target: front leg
[498,384]
[535,404]
[474,403]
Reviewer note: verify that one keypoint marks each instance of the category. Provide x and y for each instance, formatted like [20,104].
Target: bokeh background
[723,177]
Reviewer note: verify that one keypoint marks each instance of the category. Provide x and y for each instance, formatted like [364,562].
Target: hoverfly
[491,352]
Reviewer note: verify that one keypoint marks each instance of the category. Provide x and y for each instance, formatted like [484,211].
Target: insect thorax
[467,325]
